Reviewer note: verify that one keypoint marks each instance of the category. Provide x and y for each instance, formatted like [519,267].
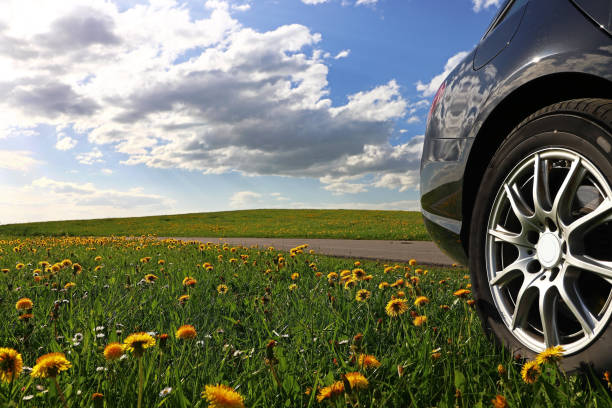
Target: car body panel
[553,37]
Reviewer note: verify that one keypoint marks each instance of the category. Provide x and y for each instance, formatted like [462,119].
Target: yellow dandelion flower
[295,276]
[351,283]
[357,263]
[396,307]
[19,266]
[368,361]
[222,289]
[358,273]
[5,270]
[399,282]
[138,342]
[383,285]
[188,281]
[419,320]
[421,300]
[50,365]
[222,396]
[400,293]
[77,268]
[293,287]
[363,295]
[113,351]
[69,285]
[531,371]
[462,292]
[345,272]
[331,391]
[98,258]
[412,262]
[24,304]
[501,370]
[26,316]
[550,355]
[357,381]
[183,299]
[186,331]
[388,269]
[11,364]
[499,402]
[161,262]
[150,278]
[66,262]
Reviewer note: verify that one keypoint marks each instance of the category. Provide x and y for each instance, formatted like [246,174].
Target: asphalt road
[425,253]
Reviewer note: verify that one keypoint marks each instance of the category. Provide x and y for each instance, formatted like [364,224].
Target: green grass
[314,326]
[347,224]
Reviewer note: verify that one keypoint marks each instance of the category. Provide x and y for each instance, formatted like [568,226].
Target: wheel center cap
[549,249]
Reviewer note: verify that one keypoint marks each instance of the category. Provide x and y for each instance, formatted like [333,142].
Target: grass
[445,362]
[343,224]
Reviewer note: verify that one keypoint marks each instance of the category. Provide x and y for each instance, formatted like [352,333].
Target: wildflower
[531,371]
[419,320]
[150,278]
[499,402]
[5,270]
[186,331]
[318,274]
[138,342]
[66,262]
[357,263]
[222,396]
[358,273]
[462,292]
[97,396]
[97,268]
[113,351]
[351,283]
[388,269]
[501,370]
[19,266]
[332,276]
[222,289]
[400,282]
[295,276]
[444,307]
[357,381]
[183,299]
[383,285]
[400,294]
[98,258]
[412,262]
[368,361]
[421,300]
[345,273]
[470,302]
[550,355]
[78,337]
[50,365]
[363,295]
[26,316]
[188,281]
[69,285]
[331,391]
[293,287]
[161,262]
[77,268]
[11,364]
[24,304]
[165,392]
[396,307]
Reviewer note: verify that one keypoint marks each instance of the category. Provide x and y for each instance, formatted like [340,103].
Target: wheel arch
[511,111]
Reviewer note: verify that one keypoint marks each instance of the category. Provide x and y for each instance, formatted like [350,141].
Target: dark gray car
[516,177]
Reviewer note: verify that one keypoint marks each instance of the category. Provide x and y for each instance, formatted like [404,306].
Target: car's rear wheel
[541,235]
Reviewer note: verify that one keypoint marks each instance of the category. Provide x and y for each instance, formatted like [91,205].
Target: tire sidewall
[548,130]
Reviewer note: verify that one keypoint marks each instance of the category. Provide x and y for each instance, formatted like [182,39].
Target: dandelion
[98,258]
[138,342]
[331,391]
[222,396]
[69,285]
[531,371]
[11,364]
[501,370]
[295,276]
[368,361]
[113,351]
[24,304]
[97,268]
[421,300]
[66,262]
[292,287]
[499,402]
[351,283]
[412,262]
[383,285]
[19,266]
[77,268]
[222,289]
[188,281]
[358,274]
[462,292]
[419,320]
[150,278]
[186,331]
[50,365]
[357,381]
[26,316]
[363,295]
[396,307]
[550,355]
[332,276]
[183,299]
[161,262]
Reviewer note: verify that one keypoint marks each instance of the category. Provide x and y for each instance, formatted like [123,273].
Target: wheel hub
[549,250]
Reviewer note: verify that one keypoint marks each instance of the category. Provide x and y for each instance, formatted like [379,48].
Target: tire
[535,254]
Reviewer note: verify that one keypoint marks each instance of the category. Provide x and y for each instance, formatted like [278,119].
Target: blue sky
[133,108]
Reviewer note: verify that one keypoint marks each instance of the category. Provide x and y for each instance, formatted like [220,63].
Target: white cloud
[95,156]
[68,200]
[413,119]
[314,1]
[484,4]
[65,142]
[244,199]
[366,2]
[242,7]
[107,171]
[342,54]
[168,90]
[430,88]
[17,160]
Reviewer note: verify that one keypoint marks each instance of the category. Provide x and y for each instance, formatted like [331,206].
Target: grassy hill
[347,224]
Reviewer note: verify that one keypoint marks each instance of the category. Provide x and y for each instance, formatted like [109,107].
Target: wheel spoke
[563,199]
[502,234]
[524,300]
[541,191]
[601,268]
[512,271]
[574,303]
[519,206]
[548,314]
[577,229]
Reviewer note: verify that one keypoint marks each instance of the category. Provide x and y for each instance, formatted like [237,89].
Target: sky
[132,108]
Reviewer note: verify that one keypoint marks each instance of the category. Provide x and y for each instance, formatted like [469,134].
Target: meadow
[342,224]
[180,324]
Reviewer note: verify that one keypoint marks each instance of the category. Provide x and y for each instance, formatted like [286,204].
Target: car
[516,178]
